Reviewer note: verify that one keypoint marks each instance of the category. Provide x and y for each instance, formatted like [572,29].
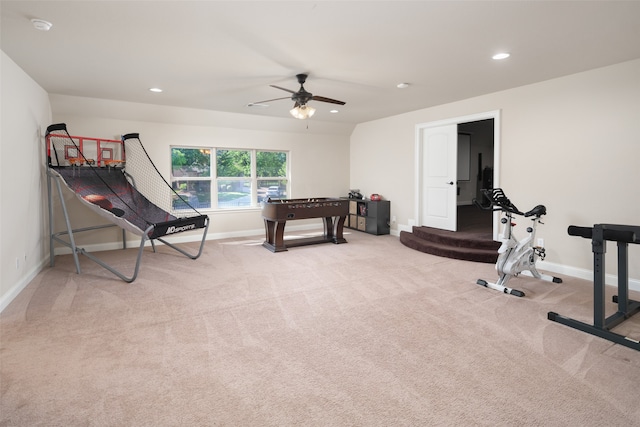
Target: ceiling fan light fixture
[300,98]
[302,112]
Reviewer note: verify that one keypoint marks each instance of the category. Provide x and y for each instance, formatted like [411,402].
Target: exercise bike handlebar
[497,198]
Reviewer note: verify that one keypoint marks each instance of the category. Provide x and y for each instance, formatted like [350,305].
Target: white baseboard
[182,238]
[581,273]
[9,296]
[402,227]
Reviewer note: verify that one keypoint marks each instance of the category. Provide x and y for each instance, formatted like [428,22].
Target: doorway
[474,166]
[475,172]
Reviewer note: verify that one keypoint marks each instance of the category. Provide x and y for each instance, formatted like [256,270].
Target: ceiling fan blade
[323,99]
[281,88]
[269,100]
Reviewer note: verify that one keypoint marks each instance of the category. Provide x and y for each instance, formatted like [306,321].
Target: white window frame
[214,179]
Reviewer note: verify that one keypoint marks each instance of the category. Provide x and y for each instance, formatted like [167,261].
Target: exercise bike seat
[537,211]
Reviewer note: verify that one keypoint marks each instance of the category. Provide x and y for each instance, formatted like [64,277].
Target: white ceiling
[223,55]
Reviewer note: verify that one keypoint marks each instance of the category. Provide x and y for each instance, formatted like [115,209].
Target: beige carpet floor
[368,333]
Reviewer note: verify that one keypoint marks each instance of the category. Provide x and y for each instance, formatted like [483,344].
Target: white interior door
[439,166]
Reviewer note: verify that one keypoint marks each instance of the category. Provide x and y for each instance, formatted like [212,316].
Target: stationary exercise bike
[515,256]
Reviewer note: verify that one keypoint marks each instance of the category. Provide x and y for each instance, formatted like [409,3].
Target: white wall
[24,113]
[570,143]
[319,160]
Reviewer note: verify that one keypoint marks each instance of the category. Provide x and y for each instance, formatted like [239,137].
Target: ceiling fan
[300,109]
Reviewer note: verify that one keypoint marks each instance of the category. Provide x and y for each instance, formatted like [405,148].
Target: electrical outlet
[393,219]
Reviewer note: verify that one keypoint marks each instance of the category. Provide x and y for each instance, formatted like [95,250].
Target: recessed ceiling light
[402,85]
[155,89]
[334,111]
[502,55]
[42,25]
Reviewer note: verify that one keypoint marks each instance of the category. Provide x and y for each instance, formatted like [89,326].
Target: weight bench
[602,325]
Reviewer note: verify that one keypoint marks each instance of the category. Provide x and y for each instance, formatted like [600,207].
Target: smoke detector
[42,25]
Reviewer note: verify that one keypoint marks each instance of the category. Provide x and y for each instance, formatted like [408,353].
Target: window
[233,178]
[272,174]
[238,179]
[191,177]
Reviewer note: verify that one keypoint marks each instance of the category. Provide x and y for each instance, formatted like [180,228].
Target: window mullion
[254,177]
[214,177]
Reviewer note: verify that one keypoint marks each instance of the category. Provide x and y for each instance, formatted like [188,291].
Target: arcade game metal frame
[117,197]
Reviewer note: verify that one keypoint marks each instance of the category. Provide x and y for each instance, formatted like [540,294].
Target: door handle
[450,182]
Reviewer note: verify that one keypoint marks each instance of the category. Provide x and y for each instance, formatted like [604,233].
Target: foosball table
[276,213]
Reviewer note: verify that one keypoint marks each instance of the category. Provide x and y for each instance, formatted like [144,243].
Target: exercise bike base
[500,288]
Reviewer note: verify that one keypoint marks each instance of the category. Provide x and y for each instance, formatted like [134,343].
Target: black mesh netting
[137,193]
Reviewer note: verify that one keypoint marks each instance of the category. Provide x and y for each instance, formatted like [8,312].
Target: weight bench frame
[602,325]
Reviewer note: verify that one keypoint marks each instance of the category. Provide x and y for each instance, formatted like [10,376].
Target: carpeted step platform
[469,246]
